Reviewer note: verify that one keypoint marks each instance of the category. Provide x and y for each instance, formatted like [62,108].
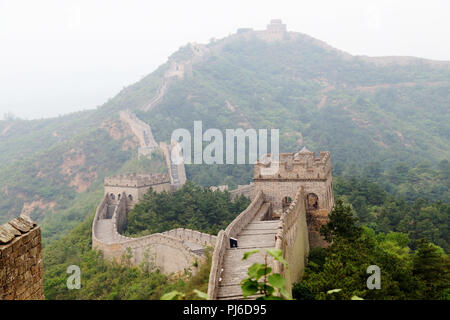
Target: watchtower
[135,186]
[276,30]
[295,170]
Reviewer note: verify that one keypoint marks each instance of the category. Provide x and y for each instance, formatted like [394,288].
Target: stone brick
[21,273]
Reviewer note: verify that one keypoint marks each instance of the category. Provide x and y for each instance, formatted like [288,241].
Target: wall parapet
[192,235]
[236,226]
[21,267]
[187,244]
[216,263]
[222,243]
[136,180]
[246,190]
[303,165]
[292,239]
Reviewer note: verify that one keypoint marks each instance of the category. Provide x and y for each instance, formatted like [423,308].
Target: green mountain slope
[358,110]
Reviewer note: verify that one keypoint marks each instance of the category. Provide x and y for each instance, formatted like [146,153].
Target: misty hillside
[361,109]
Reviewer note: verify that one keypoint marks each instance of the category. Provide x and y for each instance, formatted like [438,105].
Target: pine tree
[430,267]
[342,223]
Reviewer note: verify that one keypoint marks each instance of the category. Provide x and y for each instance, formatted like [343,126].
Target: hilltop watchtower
[276,30]
[295,170]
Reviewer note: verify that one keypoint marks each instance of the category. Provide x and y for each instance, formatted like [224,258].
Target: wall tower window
[312,201]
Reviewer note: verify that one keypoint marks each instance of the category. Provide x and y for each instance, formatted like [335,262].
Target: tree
[431,269]
[301,292]
[342,223]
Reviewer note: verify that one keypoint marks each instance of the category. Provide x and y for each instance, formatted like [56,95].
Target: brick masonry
[21,266]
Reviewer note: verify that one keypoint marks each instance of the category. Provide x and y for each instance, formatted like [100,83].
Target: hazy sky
[59,56]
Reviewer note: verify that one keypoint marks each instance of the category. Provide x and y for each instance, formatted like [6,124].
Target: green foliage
[432,268]
[369,114]
[301,292]
[343,265]
[190,287]
[176,295]
[190,207]
[389,212]
[101,279]
[141,164]
[42,176]
[261,281]
[342,223]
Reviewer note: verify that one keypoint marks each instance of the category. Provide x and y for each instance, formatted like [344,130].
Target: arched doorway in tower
[312,201]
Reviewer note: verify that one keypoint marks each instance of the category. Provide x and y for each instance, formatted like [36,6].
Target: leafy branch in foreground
[261,280]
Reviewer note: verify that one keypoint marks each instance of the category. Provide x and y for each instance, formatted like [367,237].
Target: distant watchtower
[275,30]
[295,170]
[135,186]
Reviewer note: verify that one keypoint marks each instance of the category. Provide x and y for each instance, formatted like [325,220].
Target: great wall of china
[171,252]
[286,211]
[177,69]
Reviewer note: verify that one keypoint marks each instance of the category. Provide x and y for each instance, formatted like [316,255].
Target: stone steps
[256,235]
[104,229]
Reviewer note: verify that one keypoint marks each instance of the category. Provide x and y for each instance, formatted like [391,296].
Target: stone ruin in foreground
[21,267]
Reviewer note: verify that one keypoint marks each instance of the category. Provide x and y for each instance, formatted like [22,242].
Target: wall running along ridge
[171,252]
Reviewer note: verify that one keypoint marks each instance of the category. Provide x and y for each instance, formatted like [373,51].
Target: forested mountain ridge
[355,107]
[361,109]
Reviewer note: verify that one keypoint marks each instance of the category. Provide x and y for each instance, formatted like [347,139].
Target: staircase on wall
[105,226]
[257,234]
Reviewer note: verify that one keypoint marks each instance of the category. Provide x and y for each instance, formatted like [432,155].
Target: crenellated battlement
[136,180]
[135,186]
[303,165]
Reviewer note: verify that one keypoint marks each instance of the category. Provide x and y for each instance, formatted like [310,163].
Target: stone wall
[191,235]
[236,226]
[216,262]
[171,251]
[21,267]
[245,190]
[292,239]
[135,186]
[141,130]
[177,169]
